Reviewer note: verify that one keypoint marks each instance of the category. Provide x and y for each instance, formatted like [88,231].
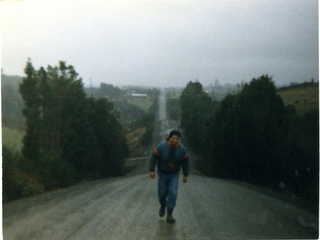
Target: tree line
[252,136]
[69,137]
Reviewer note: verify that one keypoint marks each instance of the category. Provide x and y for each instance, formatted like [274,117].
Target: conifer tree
[197,107]
[69,137]
[249,132]
[29,90]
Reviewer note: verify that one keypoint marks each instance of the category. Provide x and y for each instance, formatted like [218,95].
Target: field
[174,93]
[12,138]
[304,97]
[144,103]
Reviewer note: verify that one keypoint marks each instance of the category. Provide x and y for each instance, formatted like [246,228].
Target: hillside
[12,102]
[304,97]
[12,138]
[10,80]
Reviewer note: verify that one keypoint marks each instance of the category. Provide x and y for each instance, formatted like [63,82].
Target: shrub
[12,183]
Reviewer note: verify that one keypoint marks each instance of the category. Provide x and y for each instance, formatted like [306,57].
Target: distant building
[141,95]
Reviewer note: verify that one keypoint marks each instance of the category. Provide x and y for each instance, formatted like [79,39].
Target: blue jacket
[169,159]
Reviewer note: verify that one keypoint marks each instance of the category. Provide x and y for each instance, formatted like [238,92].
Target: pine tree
[248,132]
[29,90]
[197,107]
[69,137]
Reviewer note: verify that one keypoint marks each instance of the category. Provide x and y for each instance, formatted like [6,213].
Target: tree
[222,136]
[69,137]
[29,90]
[196,108]
[110,147]
[173,108]
[109,90]
[249,132]
[186,101]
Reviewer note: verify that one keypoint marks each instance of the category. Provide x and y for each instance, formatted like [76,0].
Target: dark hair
[174,132]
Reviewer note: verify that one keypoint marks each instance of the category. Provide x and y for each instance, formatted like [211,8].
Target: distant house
[140,95]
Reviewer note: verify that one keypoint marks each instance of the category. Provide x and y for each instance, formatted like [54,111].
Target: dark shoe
[162,211]
[170,219]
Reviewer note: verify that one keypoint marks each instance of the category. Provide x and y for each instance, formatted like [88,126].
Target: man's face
[174,140]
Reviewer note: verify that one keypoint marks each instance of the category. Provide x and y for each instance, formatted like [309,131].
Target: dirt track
[127,208]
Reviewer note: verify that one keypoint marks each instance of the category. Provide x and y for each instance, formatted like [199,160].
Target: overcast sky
[164,42]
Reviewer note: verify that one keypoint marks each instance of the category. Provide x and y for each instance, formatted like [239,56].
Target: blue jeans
[168,189]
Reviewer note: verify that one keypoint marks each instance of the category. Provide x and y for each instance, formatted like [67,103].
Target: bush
[53,172]
[32,187]
[12,184]
[147,136]
[301,164]
[17,183]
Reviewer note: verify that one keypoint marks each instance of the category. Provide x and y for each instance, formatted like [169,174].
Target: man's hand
[185,179]
[152,175]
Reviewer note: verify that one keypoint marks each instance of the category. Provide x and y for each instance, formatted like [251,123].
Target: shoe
[162,211]
[170,219]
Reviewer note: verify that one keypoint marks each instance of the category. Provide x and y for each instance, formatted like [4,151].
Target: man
[169,156]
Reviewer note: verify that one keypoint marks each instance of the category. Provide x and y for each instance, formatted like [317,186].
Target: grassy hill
[10,80]
[304,97]
[143,103]
[12,103]
[12,138]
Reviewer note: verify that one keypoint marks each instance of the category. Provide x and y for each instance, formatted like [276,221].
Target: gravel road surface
[127,208]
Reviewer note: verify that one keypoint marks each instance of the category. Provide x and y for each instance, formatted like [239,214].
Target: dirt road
[127,208]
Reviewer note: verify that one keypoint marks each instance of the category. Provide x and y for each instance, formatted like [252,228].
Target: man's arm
[185,167]
[152,175]
[153,161]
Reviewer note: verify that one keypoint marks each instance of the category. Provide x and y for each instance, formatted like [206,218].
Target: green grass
[303,98]
[144,103]
[174,93]
[12,138]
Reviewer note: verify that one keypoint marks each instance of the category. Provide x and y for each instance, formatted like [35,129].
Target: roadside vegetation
[139,133]
[257,135]
[138,114]
[55,134]
[173,109]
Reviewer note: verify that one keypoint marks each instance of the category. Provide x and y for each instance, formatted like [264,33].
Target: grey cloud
[169,43]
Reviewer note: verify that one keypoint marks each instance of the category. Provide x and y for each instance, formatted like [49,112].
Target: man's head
[174,137]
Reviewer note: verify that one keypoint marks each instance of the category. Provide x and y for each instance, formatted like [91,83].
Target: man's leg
[173,191]
[172,196]
[162,189]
